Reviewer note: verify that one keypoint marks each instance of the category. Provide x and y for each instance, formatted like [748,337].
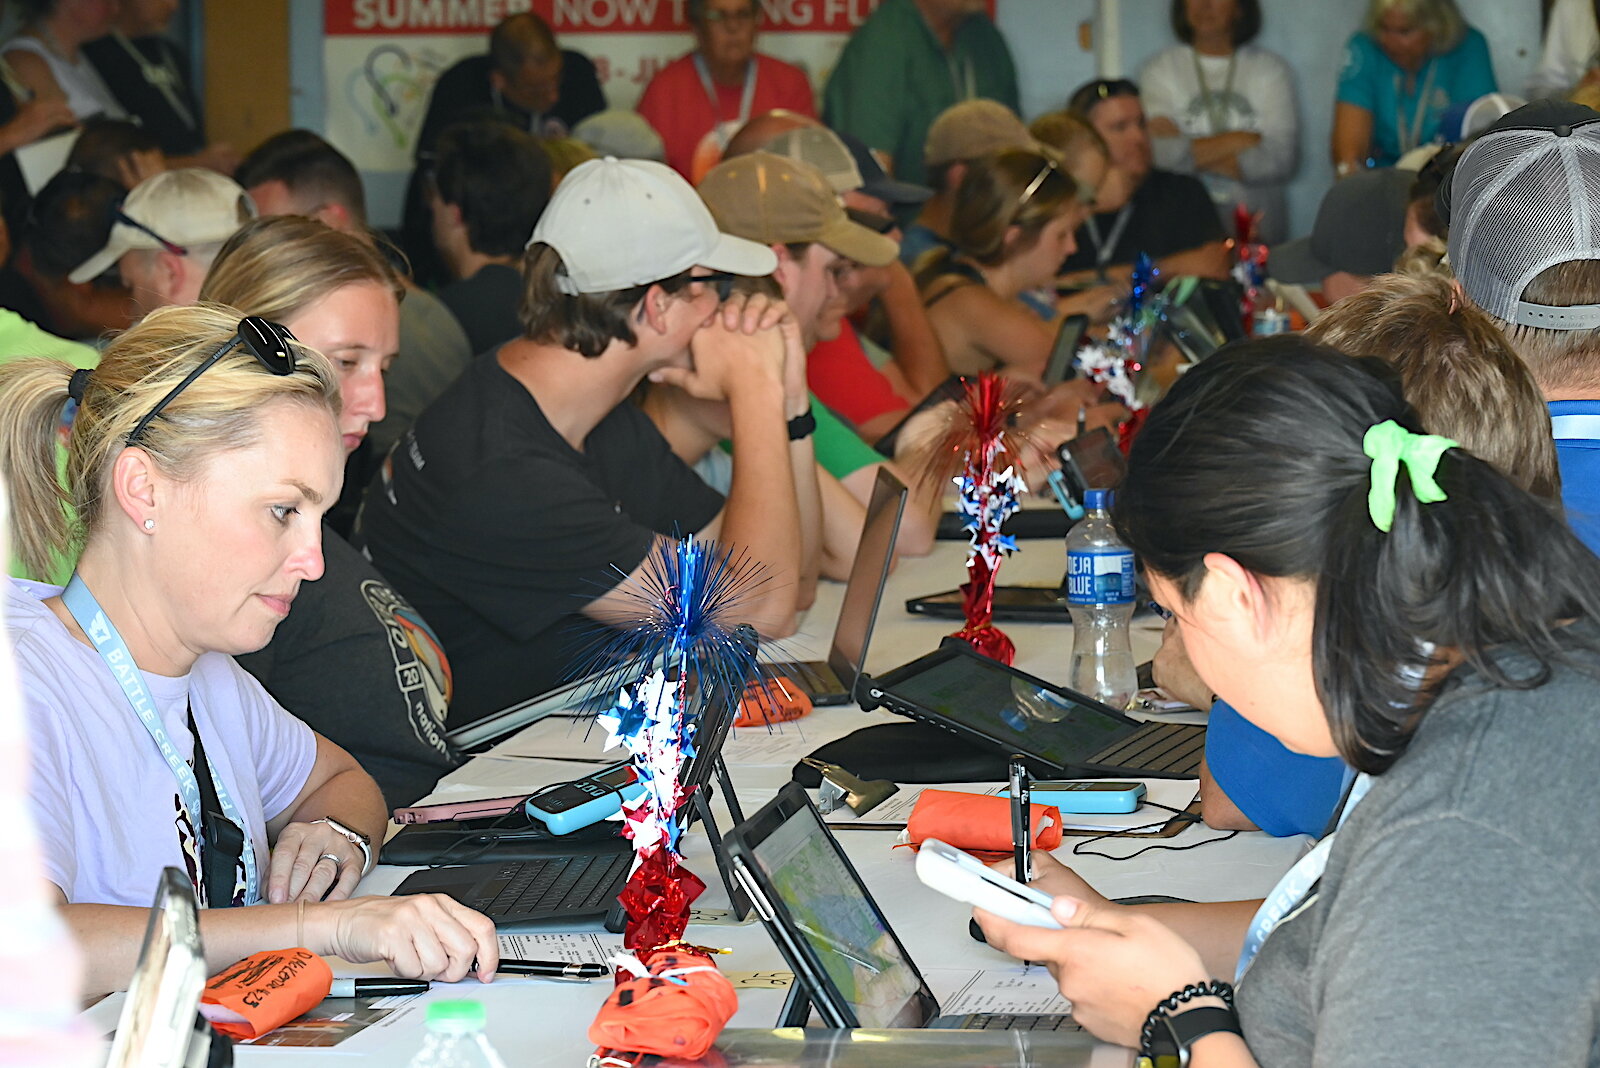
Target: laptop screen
[1015,712]
[829,908]
[874,554]
[158,1018]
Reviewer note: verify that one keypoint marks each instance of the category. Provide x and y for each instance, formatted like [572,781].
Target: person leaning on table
[204,451]
[1358,588]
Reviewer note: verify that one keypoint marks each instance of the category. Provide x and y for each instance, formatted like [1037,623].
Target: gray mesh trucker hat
[1524,197]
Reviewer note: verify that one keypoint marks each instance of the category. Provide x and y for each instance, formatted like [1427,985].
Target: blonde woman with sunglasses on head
[204,451]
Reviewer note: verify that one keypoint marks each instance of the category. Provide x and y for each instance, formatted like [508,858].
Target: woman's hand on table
[301,867]
[419,936]
[1113,962]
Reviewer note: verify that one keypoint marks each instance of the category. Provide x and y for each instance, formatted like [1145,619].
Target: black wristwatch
[1170,1030]
[1186,1028]
[803,425]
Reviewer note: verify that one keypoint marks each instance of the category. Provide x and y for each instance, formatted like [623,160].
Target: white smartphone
[966,878]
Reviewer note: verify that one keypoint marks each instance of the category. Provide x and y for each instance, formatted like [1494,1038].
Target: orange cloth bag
[265,990]
[979,823]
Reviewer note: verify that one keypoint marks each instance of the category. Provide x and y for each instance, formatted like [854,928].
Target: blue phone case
[1096,802]
[607,802]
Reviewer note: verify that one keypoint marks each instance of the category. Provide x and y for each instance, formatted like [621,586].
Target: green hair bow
[1389,445]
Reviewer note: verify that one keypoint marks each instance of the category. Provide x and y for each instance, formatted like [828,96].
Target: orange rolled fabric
[769,701]
[979,823]
[265,990]
[677,1011]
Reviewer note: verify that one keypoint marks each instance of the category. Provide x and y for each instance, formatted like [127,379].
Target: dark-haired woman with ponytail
[1361,589]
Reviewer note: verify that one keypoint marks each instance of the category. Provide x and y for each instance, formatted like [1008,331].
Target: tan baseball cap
[175,209]
[780,201]
[971,129]
[822,148]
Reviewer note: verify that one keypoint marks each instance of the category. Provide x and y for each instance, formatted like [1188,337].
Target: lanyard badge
[212,812]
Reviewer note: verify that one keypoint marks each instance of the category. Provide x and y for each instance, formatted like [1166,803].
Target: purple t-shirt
[105,801]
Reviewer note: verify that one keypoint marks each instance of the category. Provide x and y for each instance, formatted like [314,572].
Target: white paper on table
[567,948]
[1019,989]
[762,746]
[45,158]
[1172,793]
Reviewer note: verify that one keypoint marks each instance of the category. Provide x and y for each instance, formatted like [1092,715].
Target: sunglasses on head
[270,343]
[127,220]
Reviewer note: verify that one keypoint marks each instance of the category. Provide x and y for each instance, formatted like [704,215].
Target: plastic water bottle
[455,1038]
[1100,590]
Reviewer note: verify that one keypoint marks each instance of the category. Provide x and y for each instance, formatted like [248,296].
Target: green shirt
[893,79]
[839,449]
[19,338]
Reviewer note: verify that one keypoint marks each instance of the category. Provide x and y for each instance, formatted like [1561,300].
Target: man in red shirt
[700,100]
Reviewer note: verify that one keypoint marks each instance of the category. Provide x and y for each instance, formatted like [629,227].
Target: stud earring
[149,524]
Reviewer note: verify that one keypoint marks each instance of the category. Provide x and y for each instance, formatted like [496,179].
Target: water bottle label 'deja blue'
[1100,578]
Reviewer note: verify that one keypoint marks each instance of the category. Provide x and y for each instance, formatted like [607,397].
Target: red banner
[474,17]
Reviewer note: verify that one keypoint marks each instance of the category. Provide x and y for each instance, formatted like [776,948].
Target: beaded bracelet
[1216,988]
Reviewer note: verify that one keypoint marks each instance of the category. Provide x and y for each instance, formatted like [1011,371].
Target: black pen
[376,988]
[1021,840]
[554,969]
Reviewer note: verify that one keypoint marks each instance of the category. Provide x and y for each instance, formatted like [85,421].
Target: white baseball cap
[190,206]
[620,223]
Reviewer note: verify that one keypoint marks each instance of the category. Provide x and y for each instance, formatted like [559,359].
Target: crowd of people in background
[337,491]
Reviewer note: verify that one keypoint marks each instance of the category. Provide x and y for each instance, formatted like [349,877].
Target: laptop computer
[1058,368]
[160,1021]
[847,960]
[833,682]
[581,881]
[1063,734]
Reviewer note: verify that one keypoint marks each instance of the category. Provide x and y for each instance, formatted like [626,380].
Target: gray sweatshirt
[1458,920]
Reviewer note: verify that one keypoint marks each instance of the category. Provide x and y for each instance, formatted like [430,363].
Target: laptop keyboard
[1174,748]
[1004,1021]
[552,885]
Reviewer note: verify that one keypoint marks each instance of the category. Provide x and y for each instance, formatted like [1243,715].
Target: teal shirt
[893,79]
[1370,80]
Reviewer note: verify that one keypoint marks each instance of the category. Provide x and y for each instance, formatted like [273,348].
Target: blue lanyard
[1290,893]
[745,99]
[114,651]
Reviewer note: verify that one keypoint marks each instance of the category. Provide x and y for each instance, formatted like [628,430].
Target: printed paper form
[1017,990]
[570,948]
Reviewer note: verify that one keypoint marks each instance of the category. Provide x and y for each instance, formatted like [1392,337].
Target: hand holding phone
[966,878]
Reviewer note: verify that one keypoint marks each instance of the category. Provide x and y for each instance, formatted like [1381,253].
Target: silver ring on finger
[338,861]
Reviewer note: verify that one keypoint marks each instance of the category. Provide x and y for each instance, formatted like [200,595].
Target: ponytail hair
[218,412]
[1257,454]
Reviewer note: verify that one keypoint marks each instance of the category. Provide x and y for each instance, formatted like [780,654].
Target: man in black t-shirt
[526,79]
[1169,216]
[490,185]
[511,512]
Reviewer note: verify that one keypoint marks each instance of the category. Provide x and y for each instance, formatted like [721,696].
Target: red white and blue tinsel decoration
[1116,361]
[1250,264]
[683,645]
[983,438]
